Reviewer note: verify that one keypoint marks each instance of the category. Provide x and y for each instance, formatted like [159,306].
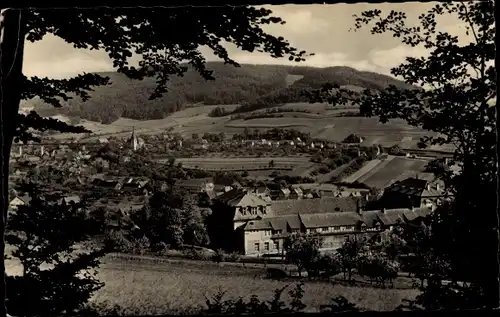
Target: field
[321,122]
[367,168]
[394,169]
[164,288]
[244,163]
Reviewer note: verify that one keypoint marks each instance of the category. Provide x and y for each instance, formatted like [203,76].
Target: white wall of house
[259,242]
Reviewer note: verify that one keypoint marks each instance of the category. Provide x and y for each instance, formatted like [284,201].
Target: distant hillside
[273,84]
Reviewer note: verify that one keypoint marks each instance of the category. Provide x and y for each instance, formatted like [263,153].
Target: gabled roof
[285,191]
[297,190]
[231,195]
[25,199]
[390,217]
[247,200]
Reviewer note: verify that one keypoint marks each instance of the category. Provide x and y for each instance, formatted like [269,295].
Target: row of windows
[253,210]
[266,246]
[335,228]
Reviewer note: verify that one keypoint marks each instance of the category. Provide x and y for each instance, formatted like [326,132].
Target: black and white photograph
[249,159]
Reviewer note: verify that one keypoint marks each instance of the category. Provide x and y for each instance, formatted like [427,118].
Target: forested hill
[249,83]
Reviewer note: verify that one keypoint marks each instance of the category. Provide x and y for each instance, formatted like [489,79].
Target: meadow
[391,170]
[163,288]
[244,163]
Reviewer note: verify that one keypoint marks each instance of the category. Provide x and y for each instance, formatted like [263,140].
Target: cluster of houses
[205,144]
[258,225]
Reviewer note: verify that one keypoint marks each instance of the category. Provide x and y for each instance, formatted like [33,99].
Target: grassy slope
[160,288]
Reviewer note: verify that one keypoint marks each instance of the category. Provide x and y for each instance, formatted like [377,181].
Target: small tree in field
[58,265]
[348,256]
[302,250]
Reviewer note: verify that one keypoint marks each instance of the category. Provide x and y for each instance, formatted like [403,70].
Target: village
[257,212]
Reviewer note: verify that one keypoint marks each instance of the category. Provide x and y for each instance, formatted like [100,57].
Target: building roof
[231,195]
[285,191]
[73,198]
[391,216]
[275,223]
[247,200]
[194,182]
[24,198]
[415,213]
[318,205]
[297,190]
[259,224]
[416,187]
[280,223]
[261,190]
[330,219]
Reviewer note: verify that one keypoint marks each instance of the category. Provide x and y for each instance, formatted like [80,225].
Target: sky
[321,29]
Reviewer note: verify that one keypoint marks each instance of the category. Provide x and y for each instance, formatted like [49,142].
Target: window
[318,229]
[267,232]
[263,209]
[276,245]
[336,228]
[257,246]
[266,246]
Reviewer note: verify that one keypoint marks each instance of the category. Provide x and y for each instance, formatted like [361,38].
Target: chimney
[438,187]
[428,186]
[20,150]
[42,150]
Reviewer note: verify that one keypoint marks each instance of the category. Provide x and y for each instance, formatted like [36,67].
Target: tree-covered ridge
[231,85]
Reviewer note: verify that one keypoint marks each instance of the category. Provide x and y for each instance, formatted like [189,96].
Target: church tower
[134,140]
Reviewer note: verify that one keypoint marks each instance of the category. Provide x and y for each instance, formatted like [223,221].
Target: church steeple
[134,139]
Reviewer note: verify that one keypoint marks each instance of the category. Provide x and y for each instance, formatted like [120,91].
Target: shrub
[219,256]
[199,255]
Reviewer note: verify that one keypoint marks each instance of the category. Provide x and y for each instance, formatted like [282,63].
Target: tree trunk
[11,57]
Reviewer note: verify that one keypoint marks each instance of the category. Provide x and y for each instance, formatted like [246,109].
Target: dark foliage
[34,232]
[253,86]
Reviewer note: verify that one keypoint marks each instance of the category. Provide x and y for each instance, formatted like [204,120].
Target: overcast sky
[321,29]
